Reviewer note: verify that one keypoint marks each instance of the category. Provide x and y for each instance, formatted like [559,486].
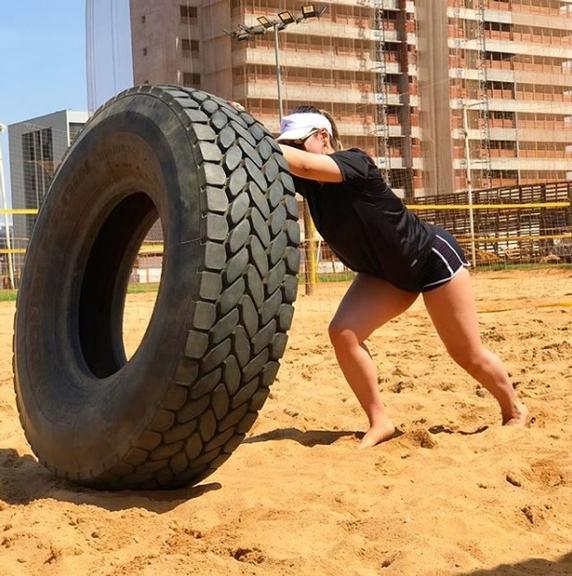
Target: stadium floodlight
[286,17]
[312,11]
[266,22]
[260,29]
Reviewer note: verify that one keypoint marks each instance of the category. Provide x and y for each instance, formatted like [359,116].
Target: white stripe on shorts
[444,260]
[444,279]
[456,253]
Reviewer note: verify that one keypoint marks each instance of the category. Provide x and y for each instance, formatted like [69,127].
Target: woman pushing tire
[180,406]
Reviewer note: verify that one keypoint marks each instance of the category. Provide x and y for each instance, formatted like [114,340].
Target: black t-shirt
[366,224]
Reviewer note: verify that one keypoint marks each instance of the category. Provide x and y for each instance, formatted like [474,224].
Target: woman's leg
[453,312]
[368,304]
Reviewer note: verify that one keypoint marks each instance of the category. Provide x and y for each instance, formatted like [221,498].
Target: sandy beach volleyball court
[456,494]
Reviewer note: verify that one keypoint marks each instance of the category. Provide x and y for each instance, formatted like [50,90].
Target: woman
[396,257]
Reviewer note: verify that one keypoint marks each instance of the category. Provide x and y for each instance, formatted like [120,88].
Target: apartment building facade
[334,62]
[441,94]
[508,70]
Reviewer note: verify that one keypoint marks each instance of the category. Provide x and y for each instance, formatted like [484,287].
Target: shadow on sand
[531,567]
[23,479]
[439,429]
[310,437]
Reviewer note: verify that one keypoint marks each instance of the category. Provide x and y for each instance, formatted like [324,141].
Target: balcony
[387,4]
[527,106]
[305,91]
[302,92]
[310,59]
[396,162]
[542,96]
[554,20]
[522,134]
[554,76]
[529,164]
[513,48]
[557,22]
[363,129]
[396,130]
[529,38]
[331,29]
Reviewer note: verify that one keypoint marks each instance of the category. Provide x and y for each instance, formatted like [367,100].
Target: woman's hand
[238,106]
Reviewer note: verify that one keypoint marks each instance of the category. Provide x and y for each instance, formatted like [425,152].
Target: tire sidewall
[136,144]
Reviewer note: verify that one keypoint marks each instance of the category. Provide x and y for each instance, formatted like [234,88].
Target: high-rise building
[442,94]
[36,148]
[505,69]
[334,62]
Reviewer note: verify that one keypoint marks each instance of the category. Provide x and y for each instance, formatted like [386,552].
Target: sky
[43,59]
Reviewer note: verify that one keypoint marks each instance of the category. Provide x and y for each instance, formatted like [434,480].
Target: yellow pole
[9,255]
[311,276]
[469,186]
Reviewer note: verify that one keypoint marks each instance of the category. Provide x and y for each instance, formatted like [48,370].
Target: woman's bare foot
[377,433]
[519,417]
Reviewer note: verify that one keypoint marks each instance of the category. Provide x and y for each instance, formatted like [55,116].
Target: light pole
[285,18]
[278,71]
[5,210]
[468,168]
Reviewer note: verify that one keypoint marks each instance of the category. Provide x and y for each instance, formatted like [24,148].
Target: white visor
[301,125]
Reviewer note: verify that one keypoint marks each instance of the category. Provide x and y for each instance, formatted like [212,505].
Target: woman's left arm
[311,166]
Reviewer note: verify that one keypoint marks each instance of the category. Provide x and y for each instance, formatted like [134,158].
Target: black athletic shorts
[446,260]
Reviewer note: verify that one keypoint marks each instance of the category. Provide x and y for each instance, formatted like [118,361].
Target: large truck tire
[175,411]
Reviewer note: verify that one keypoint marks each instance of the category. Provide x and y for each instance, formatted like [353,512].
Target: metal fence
[526,224]
[515,225]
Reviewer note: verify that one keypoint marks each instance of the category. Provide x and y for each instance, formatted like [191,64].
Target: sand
[455,494]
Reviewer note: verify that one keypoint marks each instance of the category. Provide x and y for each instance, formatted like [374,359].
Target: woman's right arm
[311,166]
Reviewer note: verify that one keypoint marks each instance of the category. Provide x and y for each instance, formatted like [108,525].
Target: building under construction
[442,95]
[509,91]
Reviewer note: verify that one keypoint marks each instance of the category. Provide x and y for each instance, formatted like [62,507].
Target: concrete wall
[216,48]
[433,70]
[158,31]
[154,45]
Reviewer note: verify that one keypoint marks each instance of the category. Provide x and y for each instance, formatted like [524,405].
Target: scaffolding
[405,89]
[512,73]
[381,93]
[484,119]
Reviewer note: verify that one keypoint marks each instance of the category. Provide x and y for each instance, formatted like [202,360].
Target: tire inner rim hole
[120,285]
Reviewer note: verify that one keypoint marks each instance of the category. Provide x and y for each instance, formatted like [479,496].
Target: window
[38,168]
[189,45]
[143,19]
[192,80]
[188,11]
[75,129]
[144,51]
